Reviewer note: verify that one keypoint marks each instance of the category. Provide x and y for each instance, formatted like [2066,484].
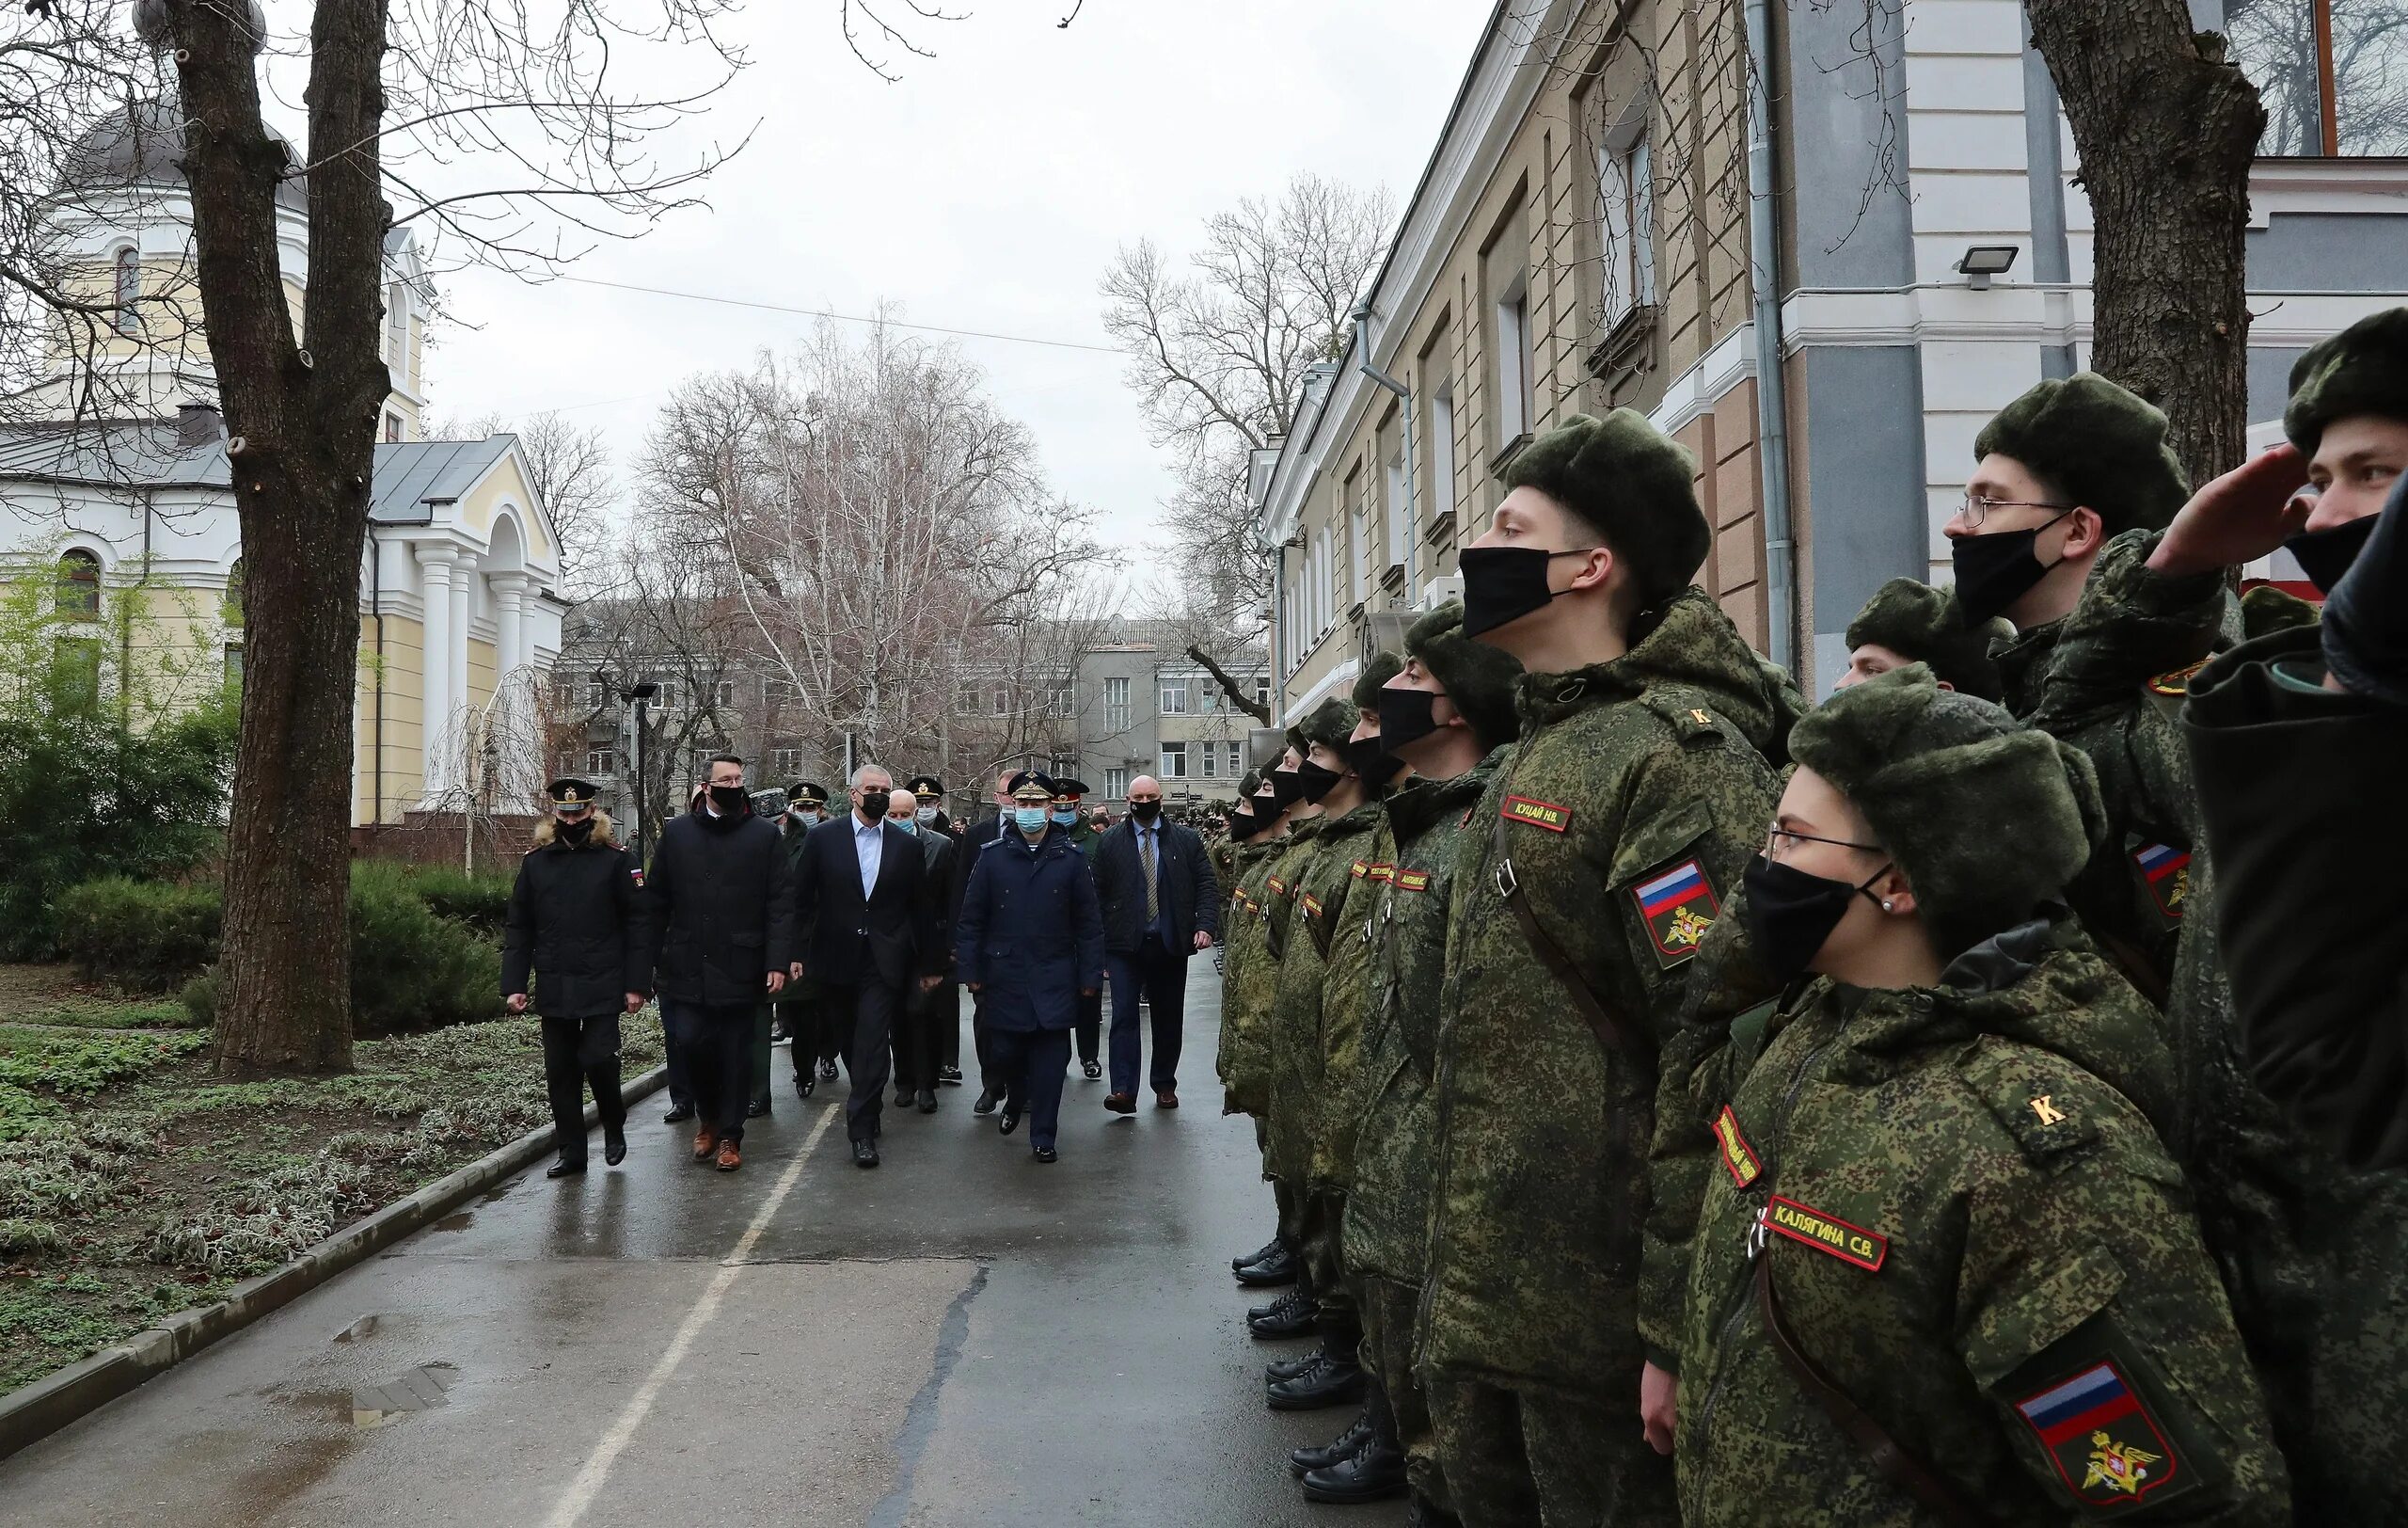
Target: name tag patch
[1538,814]
[2166,871]
[1360,871]
[1738,1157]
[1313,905]
[1810,1226]
[1383,872]
[2176,681]
[2106,1447]
[1413,881]
[1278,887]
[1678,907]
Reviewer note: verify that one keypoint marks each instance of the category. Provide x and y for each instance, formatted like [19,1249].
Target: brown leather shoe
[705,1142]
[729,1158]
[1165,1100]
[1120,1103]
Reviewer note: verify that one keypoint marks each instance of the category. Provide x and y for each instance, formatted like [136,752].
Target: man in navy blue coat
[1030,943]
[1160,904]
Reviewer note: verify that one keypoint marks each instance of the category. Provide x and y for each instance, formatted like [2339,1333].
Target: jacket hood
[1694,653]
[605,835]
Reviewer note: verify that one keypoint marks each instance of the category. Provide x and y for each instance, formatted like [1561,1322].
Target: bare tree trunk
[2165,128]
[1239,696]
[301,484]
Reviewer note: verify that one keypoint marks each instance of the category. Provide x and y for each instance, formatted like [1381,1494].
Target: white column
[436,657]
[522,762]
[509,622]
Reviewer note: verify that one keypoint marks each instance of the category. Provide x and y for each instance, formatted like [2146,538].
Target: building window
[1063,702]
[965,700]
[1626,194]
[1513,362]
[1174,761]
[392,427]
[786,763]
[1003,700]
[777,691]
[600,762]
[397,329]
[1360,554]
[1116,705]
[1399,512]
[1442,449]
[230,608]
[1115,784]
[594,696]
[1173,697]
[79,585]
[235,664]
[725,693]
[1263,690]
[2328,70]
[129,288]
[1208,762]
[1234,759]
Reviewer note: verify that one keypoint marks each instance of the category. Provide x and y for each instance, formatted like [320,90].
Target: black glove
[2366,617]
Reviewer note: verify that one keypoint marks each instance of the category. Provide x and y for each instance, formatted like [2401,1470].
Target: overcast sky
[988,189]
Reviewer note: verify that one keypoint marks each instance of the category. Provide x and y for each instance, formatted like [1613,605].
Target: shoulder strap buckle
[1507,881]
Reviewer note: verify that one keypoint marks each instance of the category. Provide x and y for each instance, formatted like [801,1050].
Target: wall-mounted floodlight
[1984,261]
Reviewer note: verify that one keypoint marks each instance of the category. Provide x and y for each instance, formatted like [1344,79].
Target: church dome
[143,144]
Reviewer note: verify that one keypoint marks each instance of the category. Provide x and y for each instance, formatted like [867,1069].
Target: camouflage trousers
[1319,1228]
[1387,1309]
[1514,1458]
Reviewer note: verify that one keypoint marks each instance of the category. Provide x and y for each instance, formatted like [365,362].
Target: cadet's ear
[2085,531]
[1896,893]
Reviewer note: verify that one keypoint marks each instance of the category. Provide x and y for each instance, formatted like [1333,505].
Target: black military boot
[1259,1254]
[1303,1290]
[1290,1368]
[1304,1462]
[1278,1268]
[1333,1381]
[1374,1472]
[1293,1315]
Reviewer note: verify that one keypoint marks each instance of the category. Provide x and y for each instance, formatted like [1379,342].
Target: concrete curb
[42,1407]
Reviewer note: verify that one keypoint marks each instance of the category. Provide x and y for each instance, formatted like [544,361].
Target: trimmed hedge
[481,902]
[143,935]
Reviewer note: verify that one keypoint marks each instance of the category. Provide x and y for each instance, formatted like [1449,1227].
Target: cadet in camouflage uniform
[1944,1229]
[1316,881]
[1612,832]
[1907,621]
[1451,705]
[1234,858]
[1243,1057]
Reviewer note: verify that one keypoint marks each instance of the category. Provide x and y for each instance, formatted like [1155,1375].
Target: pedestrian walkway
[959,1337]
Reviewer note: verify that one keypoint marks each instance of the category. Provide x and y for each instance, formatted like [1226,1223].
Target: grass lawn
[135,1182]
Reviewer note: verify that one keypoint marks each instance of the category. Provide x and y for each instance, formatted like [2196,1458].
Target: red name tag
[1538,814]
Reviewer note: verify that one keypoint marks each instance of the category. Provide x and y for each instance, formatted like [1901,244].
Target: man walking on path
[1160,904]
[1031,943]
[916,1032]
[721,924]
[862,894]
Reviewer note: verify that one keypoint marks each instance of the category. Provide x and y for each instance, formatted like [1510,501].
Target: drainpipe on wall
[376,612]
[1772,413]
[1362,316]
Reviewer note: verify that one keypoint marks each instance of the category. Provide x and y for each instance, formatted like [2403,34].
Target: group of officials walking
[1685,1104]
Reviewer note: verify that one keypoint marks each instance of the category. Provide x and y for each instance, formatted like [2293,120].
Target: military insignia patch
[1738,1157]
[2107,1447]
[1810,1227]
[1278,887]
[2175,681]
[1383,872]
[1313,905]
[635,875]
[2167,871]
[1538,814]
[1678,906]
[1412,880]
[1360,871]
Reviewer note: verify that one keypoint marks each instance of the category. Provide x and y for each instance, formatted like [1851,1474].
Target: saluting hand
[2237,517]
[515,1002]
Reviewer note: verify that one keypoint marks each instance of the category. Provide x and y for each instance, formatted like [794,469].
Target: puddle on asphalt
[416,1390]
[457,1220]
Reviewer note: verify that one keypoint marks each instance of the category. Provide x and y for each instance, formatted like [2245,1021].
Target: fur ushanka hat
[1924,625]
[1331,724]
[1376,674]
[1478,678]
[2362,369]
[1987,817]
[2101,444]
[1630,483]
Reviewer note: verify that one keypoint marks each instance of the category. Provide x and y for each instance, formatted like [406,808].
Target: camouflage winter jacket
[1970,1228]
[1396,1146]
[1247,972]
[1271,885]
[1622,818]
[1345,1004]
[1317,898]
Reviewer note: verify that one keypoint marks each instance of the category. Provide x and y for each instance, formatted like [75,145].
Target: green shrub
[481,902]
[142,935]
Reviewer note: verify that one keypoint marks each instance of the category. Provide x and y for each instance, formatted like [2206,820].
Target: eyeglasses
[1978,508]
[1778,840]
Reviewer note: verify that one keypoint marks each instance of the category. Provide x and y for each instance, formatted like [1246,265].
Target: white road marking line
[588,1483]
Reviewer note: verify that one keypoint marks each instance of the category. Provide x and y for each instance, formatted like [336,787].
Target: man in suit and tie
[866,906]
[1161,905]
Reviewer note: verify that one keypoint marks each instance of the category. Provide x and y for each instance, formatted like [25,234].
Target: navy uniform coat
[1031,933]
[576,925]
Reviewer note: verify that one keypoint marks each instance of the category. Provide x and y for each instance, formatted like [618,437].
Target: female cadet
[576,924]
[1945,1272]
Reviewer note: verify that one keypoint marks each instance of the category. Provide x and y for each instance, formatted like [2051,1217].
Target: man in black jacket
[576,924]
[723,927]
[1161,905]
[916,1027]
[864,896]
[812,1034]
[944,1004]
[974,839]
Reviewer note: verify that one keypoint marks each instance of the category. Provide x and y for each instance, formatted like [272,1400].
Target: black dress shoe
[827,1070]
[902,1098]
[1290,1368]
[1374,1473]
[1046,1154]
[756,1108]
[865,1154]
[1304,1462]
[949,1077]
[565,1169]
[678,1114]
[615,1144]
[1330,1382]
[804,1082]
[1093,1069]
[987,1099]
[1278,1268]
[1255,1256]
[1009,1123]
[1297,1317]
[927,1102]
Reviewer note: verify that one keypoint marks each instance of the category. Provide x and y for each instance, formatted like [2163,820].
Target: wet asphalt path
[959,1337]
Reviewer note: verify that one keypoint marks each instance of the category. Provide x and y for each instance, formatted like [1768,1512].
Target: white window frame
[1116,704]
[785,763]
[1399,513]
[1626,200]
[1172,696]
[397,331]
[1512,333]
[1174,762]
[127,268]
[1236,761]
[1442,449]
[606,754]
[1115,784]
[724,694]
[1210,762]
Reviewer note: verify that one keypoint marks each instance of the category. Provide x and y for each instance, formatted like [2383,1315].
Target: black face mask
[1994,572]
[575,830]
[1790,912]
[1287,786]
[1369,758]
[1501,584]
[873,804]
[1243,825]
[1145,811]
[2325,555]
[1316,782]
[1406,717]
[732,800]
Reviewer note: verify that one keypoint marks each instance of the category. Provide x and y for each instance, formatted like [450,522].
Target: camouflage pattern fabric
[1385,1309]
[1321,880]
[1259,1052]
[1977,1234]
[1247,973]
[1345,1002]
